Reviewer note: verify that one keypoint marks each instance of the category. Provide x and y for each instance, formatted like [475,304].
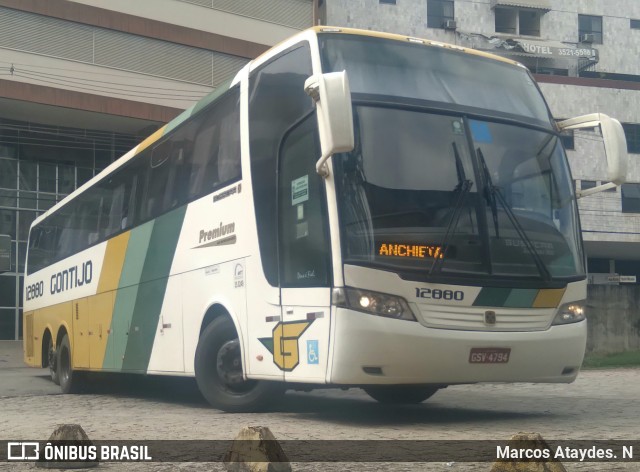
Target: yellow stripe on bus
[150,140]
[113,262]
[549,298]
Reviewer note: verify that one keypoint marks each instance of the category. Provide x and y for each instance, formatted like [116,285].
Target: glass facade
[39,166]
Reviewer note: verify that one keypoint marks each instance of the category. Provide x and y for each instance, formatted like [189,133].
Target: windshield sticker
[457,127]
[300,190]
[480,132]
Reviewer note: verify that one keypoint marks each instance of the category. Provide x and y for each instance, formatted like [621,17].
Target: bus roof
[413,39]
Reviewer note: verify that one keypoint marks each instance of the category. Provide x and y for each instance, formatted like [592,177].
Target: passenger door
[304,257]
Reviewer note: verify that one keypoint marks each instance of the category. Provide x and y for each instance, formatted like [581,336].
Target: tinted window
[197,157]
[277,101]
[402,69]
[304,248]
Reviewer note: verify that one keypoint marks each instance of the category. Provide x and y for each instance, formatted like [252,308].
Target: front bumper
[407,352]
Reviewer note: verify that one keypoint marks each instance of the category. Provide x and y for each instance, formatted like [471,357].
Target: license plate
[489,355]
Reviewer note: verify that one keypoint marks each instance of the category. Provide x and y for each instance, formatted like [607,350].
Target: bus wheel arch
[219,369]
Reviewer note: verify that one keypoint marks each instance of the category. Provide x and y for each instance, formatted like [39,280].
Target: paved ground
[601,404]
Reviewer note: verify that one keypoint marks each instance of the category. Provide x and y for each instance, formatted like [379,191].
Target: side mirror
[615,147]
[5,253]
[332,96]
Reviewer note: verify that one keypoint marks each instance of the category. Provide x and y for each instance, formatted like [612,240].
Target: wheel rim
[51,359]
[65,364]
[229,369]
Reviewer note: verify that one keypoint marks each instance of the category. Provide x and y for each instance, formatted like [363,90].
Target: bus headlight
[374,303]
[570,313]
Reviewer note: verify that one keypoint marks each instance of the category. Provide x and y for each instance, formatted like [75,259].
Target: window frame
[516,12]
[630,204]
[438,21]
[632,136]
[598,36]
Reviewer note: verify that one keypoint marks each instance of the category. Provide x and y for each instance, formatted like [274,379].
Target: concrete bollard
[256,449]
[68,435]
[528,441]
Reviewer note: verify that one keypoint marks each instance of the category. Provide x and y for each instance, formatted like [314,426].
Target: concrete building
[584,55]
[83,81]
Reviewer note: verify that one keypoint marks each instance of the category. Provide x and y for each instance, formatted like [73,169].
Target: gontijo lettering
[72,277]
[411,250]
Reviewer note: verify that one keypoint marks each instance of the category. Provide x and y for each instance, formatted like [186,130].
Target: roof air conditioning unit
[588,38]
[450,24]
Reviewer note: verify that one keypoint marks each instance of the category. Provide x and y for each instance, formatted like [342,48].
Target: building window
[630,198]
[388,2]
[635,24]
[568,138]
[587,184]
[438,12]
[590,29]
[521,22]
[632,132]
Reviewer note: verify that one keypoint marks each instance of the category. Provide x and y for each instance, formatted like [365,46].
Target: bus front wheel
[218,366]
[52,361]
[401,394]
[70,381]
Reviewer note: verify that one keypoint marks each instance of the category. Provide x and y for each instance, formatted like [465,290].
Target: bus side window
[215,160]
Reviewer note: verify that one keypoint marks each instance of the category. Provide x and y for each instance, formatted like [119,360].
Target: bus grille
[28,323]
[474,318]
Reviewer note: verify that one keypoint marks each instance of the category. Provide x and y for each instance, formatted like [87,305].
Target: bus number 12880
[437,294]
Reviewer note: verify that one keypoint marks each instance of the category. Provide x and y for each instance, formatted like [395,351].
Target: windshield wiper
[462,190]
[493,194]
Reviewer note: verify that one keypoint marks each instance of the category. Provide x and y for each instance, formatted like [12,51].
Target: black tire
[70,380]
[401,394]
[52,361]
[218,366]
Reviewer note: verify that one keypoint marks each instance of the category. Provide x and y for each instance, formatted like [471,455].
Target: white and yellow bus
[351,209]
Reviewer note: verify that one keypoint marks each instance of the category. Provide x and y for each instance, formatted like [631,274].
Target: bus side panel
[100,309]
[28,344]
[152,290]
[167,352]
[81,334]
[125,297]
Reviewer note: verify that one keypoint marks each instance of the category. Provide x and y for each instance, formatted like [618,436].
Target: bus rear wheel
[70,380]
[218,366]
[52,361]
[401,394]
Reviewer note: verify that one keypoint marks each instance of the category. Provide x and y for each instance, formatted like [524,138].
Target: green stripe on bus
[521,298]
[151,291]
[178,120]
[220,89]
[491,296]
[126,295]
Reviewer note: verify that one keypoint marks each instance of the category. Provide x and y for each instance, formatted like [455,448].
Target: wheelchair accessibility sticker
[312,352]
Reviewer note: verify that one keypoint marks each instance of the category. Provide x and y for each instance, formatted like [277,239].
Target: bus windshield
[446,195]
[436,74]
[457,169]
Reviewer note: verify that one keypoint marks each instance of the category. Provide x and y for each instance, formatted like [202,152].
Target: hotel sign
[555,50]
